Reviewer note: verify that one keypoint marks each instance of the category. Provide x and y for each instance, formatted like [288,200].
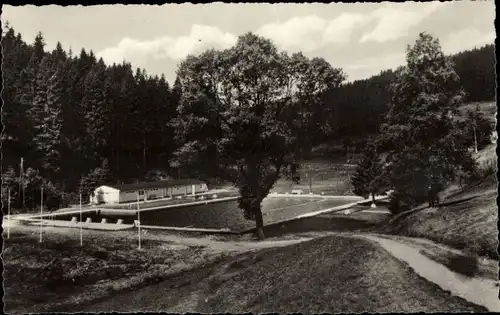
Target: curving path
[480,291]
[477,290]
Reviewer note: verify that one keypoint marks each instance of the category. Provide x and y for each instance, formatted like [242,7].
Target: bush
[400,202]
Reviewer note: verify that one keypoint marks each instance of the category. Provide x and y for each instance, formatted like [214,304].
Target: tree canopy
[66,112]
[424,144]
[246,112]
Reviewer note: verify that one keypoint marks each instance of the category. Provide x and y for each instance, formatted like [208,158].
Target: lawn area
[327,275]
[41,277]
[327,177]
[488,109]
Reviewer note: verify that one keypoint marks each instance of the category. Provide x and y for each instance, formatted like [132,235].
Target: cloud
[390,61]
[298,33]
[394,21]
[339,30]
[367,67]
[200,38]
[308,33]
[467,38]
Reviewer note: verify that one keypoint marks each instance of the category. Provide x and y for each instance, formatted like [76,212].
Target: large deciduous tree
[424,143]
[245,113]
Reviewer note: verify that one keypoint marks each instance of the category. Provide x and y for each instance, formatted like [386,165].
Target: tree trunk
[259,222]
[373,205]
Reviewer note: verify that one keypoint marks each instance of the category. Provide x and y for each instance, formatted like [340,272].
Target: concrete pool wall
[221,215]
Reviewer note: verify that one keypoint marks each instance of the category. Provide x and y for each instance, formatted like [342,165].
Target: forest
[77,122]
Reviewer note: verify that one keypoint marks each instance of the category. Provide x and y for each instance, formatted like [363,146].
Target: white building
[118,193]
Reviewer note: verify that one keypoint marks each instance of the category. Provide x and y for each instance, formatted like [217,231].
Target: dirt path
[481,291]
[235,246]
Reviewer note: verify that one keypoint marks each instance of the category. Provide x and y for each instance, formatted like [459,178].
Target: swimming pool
[220,215]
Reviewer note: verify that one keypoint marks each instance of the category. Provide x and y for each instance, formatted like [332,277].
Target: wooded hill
[77,121]
[358,107]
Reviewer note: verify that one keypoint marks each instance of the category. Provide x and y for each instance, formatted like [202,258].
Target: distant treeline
[70,115]
[357,108]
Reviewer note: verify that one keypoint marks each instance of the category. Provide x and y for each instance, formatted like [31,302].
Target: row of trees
[424,142]
[71,117]
[247,114]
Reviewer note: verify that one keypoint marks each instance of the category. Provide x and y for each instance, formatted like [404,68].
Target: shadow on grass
[316,224]
[464,264]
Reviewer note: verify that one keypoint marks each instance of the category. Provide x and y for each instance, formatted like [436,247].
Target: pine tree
[366,171]
[94,109]
[58,54]
[425,146]
[166,112]
[38,47]
[176,92]
[16,134]
[103,174]
[46,115]
[10,181]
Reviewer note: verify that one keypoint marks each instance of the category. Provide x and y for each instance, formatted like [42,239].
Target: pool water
[224,214]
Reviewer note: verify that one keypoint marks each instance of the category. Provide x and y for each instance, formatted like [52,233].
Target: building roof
[157,184]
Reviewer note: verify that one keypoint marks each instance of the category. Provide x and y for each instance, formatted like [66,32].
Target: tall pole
[41,214]
[24,189]
[310,183]
[475,139]
[81,222]
[8,217]
[21,189]
[138,220]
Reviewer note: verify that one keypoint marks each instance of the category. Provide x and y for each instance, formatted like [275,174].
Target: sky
[360,38]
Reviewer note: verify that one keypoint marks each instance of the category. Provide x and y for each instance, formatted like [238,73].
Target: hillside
[327,275]
[358,107]
[127,112]
[466,218]
[348,149]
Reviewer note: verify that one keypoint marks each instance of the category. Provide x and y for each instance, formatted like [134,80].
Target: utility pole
[21,181]
[8,213]
[475,138]
[81,222]
[310,183]
[139,220]
[41,214]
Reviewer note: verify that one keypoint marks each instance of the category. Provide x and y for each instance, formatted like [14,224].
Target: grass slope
[331,274]
[469,225]
[38,277]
